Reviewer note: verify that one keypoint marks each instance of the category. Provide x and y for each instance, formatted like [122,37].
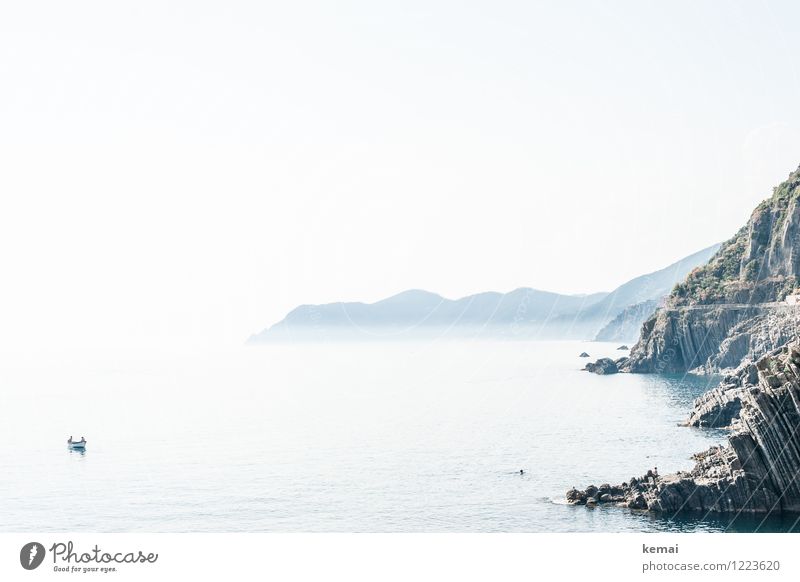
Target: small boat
[78,445]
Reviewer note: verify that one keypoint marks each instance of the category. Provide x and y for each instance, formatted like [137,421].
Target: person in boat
[521,471]
[70,439]
[83,440]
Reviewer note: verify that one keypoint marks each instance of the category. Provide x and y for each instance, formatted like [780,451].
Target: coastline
[758,469]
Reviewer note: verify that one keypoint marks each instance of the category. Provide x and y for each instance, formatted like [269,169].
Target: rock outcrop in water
[759,470]
[730,310]
[720,406]
[605,366]
[716,408]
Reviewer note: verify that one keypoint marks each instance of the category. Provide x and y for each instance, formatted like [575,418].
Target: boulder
[576,497]
[603,366]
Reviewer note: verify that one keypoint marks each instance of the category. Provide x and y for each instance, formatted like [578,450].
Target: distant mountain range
[524,312]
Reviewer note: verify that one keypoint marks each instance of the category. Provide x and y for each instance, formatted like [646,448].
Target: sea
[422,435]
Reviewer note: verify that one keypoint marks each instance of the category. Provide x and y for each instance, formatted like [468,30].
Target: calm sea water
[380,437]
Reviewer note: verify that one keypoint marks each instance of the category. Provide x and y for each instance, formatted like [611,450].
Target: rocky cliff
[759,470]
[729,310]
[717,408]
[711,338]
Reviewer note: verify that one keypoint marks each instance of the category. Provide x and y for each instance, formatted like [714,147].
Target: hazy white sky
[192,170]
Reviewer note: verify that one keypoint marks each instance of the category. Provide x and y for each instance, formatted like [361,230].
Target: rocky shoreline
[757,472]
[605,366]
[719,407]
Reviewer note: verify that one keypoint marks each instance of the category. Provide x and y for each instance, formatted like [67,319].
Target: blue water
[424,436]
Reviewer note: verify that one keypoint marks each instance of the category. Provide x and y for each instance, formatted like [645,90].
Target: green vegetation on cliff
[709,283]
[761,263]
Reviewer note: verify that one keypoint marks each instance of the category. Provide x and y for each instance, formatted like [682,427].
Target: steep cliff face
[727,310]
[759,470]
[674,341]
[711,338]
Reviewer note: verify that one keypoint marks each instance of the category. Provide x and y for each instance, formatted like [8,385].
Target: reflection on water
[620,519]
[737,523]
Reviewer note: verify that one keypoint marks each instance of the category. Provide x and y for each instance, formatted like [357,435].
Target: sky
[191,171]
